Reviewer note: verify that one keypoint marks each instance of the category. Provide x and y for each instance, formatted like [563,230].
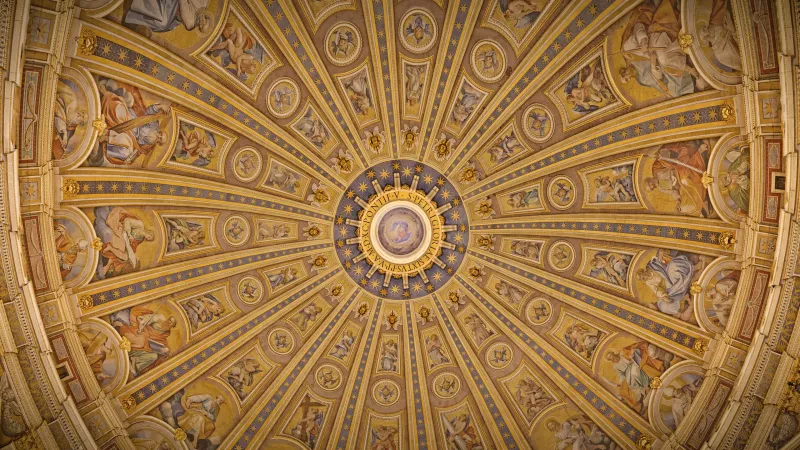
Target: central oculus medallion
[402,230]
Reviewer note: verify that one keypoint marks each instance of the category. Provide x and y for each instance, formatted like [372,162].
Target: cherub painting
[244,375]
[585,92]
[460,430]
[185,234]
[203,310]
[612,184]
[280,278]
[196,146]
[466,102]
[341,348]
[527,199]
[239,54]
[531,397]
[358,90]
[306,317]
[579,432]
[505,148]
[160,16]
[609,267]
[583,339]
[313,130]
[284,179]
[530,250]
[516,19]
[434,349]
[479,331]
[414,84]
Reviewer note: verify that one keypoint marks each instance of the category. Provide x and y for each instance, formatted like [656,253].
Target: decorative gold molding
[644,443]
[128,403]
[700,347]
[727,240]
[87,42]
[85,302]
[685,40]
[70,188]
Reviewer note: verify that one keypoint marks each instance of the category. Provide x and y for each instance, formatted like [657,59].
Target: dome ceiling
[415,224]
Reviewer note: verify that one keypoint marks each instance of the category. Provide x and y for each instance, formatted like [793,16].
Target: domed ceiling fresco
[384,225]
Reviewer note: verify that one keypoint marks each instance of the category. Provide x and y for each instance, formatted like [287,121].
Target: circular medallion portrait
[328,377]
[499,355]
[446,385]
[561,256]
[401,231]
[418,30]
[539,311]
[236,230]
[342,43]
[561,192]
[386,392]
[488,61]
[537,123]
[247,164]
[283,98]
[407,230]
[281,341]
[250,290]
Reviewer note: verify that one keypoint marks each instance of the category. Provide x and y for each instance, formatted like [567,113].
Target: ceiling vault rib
[420,417]
[259,420]
[192,88]
[347,418]
[168,279]
[593,399]
[379,17]
[690,234]
[97,186]
[176,373]
[653,125]
[505,433]
[547,56]
[459,22]
[679,338]
[284,25]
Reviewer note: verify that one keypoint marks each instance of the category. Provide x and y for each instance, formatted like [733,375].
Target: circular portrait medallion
[342,43]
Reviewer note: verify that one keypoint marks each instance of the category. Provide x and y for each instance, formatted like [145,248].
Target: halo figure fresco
[386,225]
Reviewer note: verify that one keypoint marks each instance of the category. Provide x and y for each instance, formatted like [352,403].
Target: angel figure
[522,12]
[342,43]
[461,434]
[282,278]
[414,83]
[467,100]
[359,92]
[489,60]
[197,143]
[418,30]
[238,44]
